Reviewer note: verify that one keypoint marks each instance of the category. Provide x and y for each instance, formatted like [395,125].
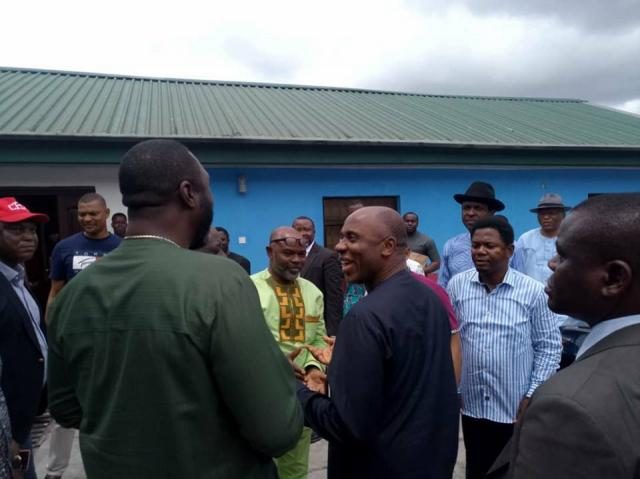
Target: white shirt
[532,254]
[310,246]
[414,266]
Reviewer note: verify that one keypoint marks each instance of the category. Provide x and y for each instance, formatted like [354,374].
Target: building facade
[275,151]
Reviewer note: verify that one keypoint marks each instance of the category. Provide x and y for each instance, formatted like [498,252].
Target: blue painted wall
[275,196]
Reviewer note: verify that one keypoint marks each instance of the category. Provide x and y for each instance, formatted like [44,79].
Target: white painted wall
[103,177]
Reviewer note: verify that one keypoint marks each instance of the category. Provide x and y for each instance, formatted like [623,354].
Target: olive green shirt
[161,357]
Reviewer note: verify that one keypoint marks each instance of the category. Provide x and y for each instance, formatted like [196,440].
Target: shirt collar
[13,275]
[604,329]
[310,246]
[508,279]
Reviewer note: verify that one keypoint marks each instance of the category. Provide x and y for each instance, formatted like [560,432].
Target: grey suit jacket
[584,422]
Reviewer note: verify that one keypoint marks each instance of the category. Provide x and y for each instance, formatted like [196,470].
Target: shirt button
[486,398]
[41,360]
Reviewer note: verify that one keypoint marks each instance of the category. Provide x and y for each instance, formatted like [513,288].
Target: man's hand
[522,407]
[316,381]
[297,370]
[322,355]
[431,268]
[14,448]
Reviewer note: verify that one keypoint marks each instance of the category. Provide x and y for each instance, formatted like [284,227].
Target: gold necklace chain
[161,238]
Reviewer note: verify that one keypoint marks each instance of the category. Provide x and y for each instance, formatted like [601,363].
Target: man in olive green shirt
[153,351]
[293,310]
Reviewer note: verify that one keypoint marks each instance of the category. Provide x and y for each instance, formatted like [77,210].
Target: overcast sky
[588,49]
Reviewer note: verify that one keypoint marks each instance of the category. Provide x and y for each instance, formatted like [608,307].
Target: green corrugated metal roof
[39,104]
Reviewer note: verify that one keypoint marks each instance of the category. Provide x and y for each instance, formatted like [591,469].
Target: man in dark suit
[584,422]
[224,246]
[322,268]
[392,412]
[23,345]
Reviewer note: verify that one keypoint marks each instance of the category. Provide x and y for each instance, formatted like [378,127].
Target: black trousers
[483,441]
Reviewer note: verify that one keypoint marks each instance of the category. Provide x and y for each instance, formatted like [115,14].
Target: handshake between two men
[312,377]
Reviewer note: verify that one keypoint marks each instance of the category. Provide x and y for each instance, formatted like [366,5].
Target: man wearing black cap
[479,201]
[536,247]
[23,345]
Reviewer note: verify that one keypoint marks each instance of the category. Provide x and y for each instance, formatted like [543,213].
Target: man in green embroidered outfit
[153,351]
[293,310]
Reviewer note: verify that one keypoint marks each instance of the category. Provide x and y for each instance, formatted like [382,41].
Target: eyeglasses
[291,242]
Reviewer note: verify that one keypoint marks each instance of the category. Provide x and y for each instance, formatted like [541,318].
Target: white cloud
[632,106]
[489,47]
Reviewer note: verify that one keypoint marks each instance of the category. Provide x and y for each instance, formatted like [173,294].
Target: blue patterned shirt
[511,342]
[456,258]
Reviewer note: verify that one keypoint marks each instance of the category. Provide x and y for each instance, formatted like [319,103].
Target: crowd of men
[173,361]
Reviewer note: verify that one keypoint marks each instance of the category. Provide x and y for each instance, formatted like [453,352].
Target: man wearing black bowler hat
[479,201]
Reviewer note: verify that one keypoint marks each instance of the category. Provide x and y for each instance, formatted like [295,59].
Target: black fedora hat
[480,192]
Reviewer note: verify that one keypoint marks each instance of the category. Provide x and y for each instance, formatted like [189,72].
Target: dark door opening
[336,209]
[60,204]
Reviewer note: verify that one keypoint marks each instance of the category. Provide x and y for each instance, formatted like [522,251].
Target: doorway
[61,205]
[336,210]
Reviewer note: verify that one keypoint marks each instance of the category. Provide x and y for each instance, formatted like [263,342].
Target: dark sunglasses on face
[291,242]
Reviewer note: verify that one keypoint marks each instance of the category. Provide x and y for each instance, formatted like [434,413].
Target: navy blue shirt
[75,253]
[393,410]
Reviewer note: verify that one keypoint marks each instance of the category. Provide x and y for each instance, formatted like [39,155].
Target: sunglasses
[292,242]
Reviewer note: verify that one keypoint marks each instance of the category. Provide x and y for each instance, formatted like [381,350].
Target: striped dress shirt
[511,342]
[456,257]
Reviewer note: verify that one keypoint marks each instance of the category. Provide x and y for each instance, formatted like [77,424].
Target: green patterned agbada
[294,314]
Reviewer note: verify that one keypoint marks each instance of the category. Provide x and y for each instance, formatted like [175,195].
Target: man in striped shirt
[510,342]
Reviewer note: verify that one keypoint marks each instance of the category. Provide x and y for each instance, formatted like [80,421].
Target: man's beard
[203,227]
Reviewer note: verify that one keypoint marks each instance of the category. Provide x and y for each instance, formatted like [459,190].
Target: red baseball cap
[13,212]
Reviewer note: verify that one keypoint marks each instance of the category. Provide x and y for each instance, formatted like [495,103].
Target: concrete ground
[317,461]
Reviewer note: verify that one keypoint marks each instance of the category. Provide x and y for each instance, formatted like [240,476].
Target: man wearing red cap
[23,344]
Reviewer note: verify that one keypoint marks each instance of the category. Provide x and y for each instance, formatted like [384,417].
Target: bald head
[597,268]
[287,252]
[284,232]
[610,227]
[372,245]
[384,221]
